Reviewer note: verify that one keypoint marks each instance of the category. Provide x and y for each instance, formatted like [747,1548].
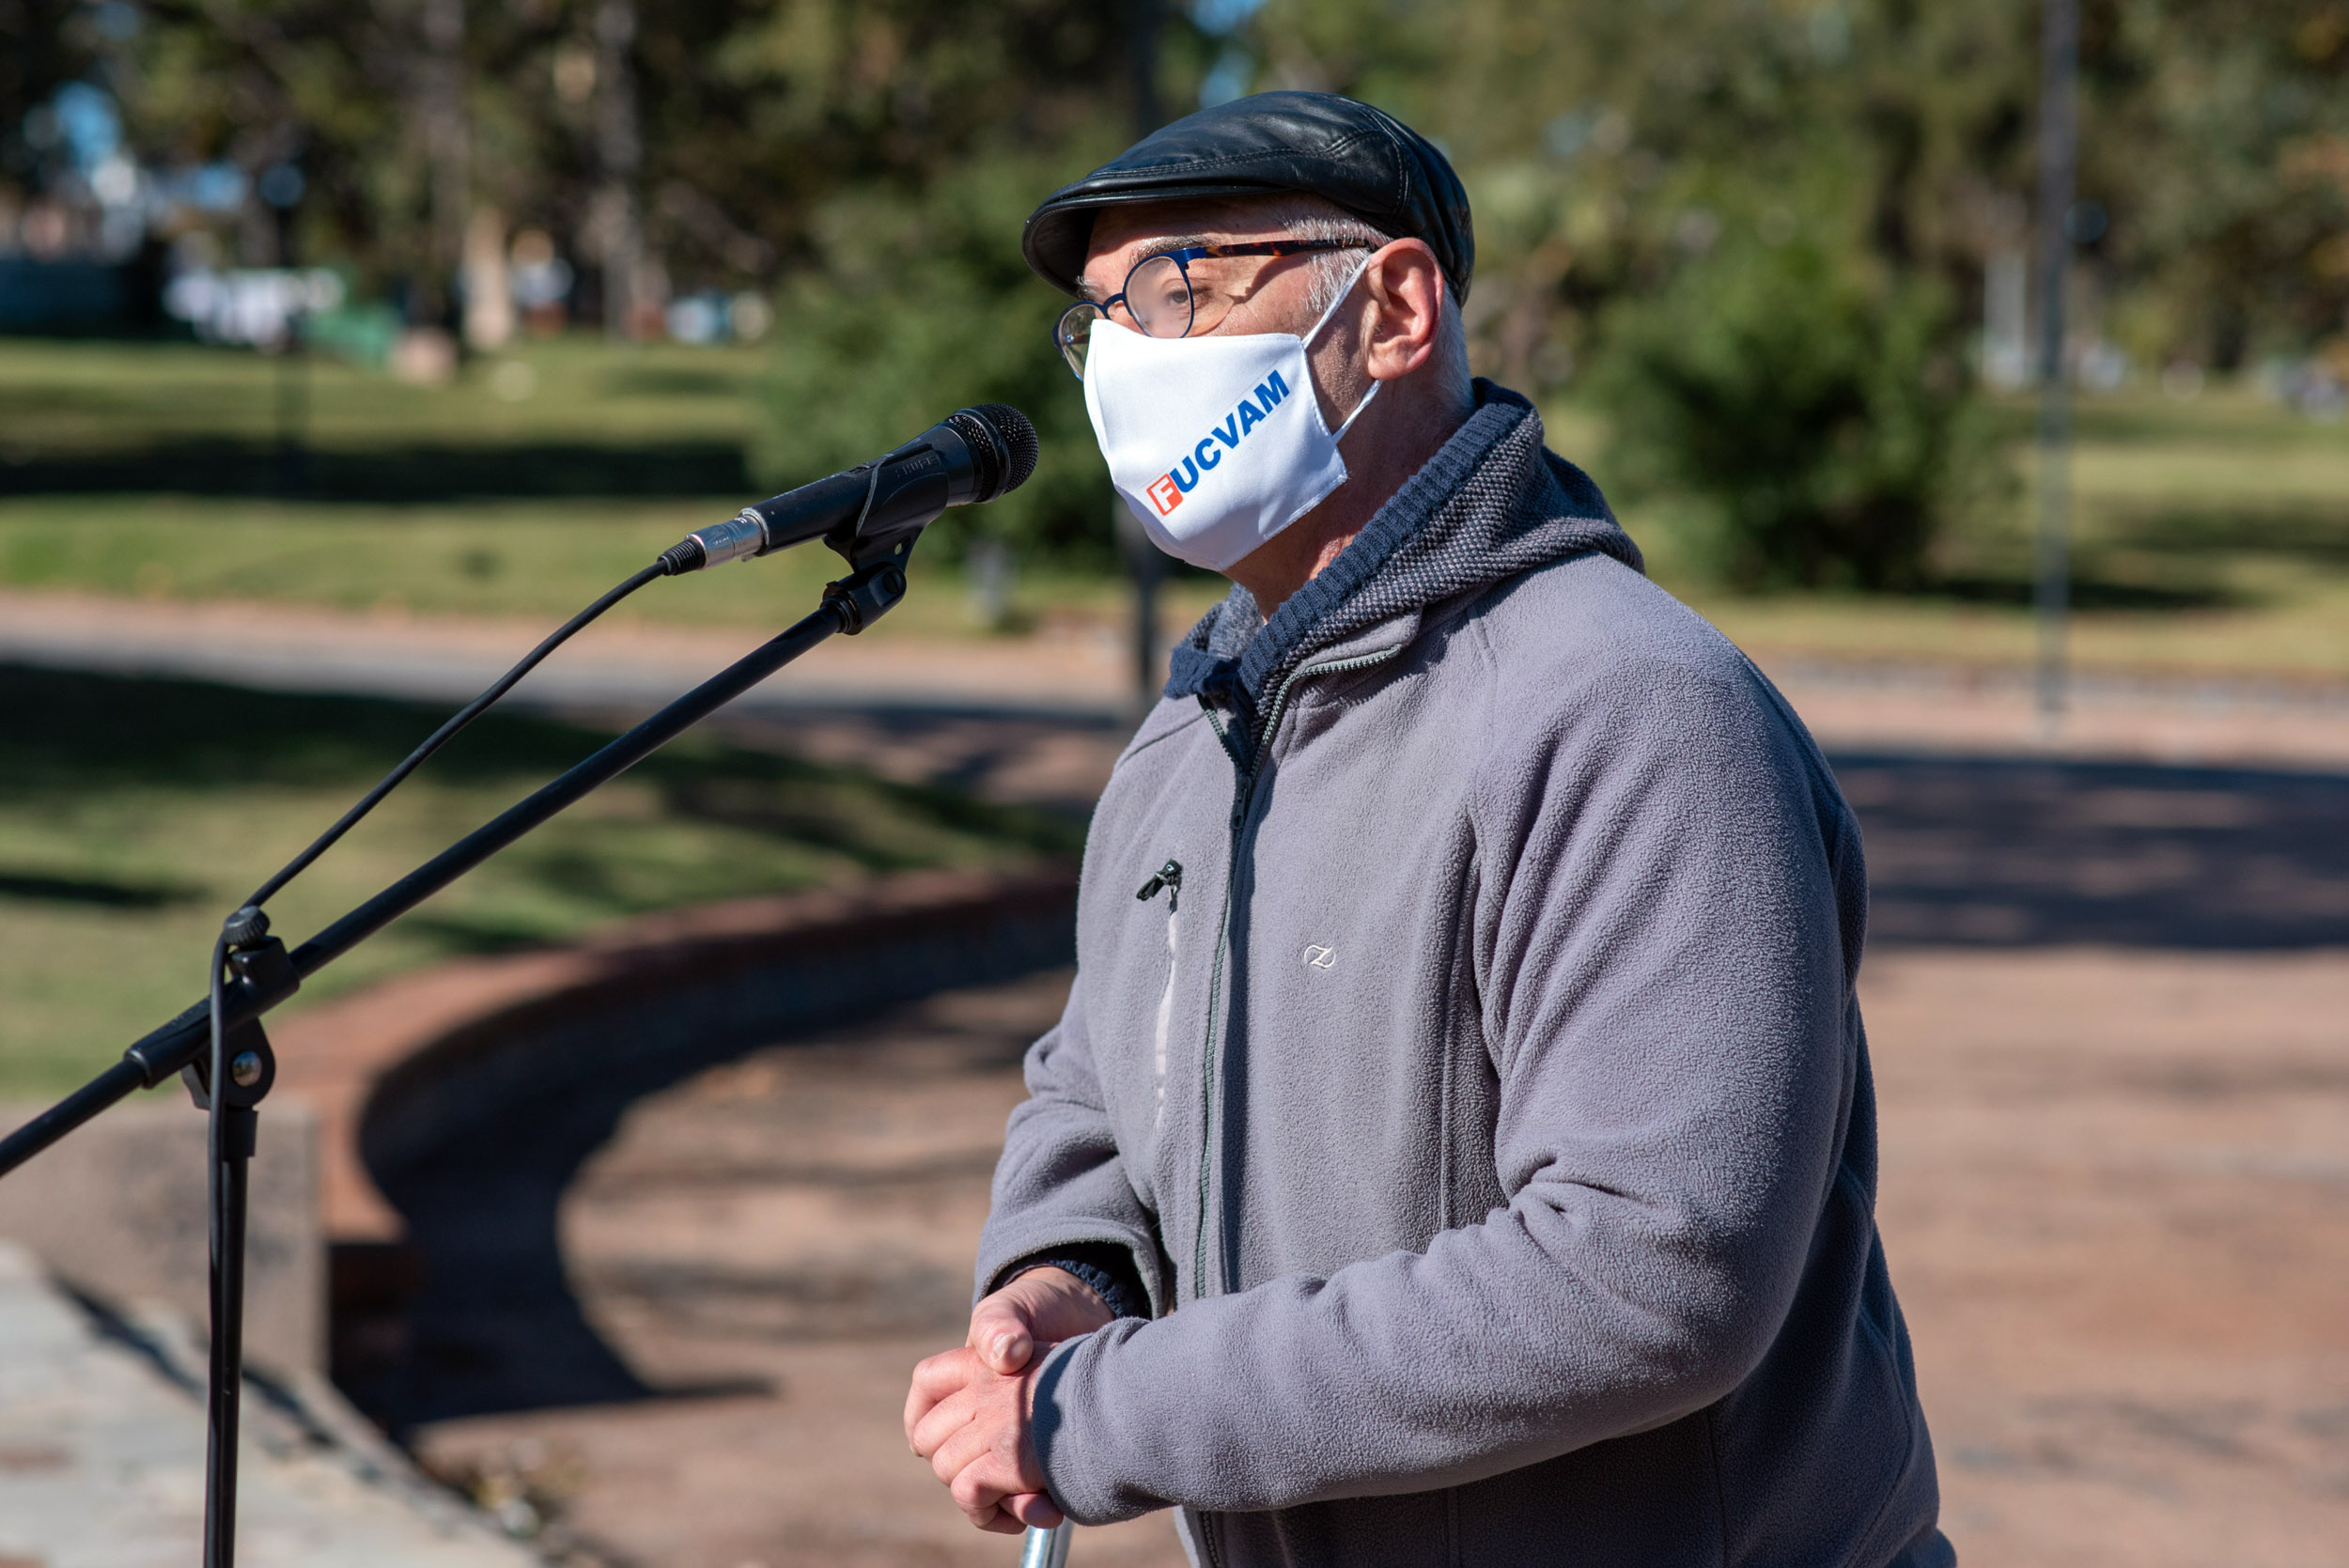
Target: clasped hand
[968,1410]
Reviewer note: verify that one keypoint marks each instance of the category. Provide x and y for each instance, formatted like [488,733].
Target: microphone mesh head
[1003,444]
[1019,435]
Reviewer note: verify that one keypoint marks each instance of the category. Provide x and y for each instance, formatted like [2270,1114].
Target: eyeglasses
[1176,293]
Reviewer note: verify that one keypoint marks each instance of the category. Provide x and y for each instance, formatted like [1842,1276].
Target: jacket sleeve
[1668,905]
[1060,1180]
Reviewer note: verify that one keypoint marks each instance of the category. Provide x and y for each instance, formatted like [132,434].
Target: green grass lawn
[134,813]
[2212,535]
[61,401]
[537,560]
[152,471]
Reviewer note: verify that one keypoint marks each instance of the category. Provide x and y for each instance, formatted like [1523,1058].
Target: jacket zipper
[1244,794]
[1169,879]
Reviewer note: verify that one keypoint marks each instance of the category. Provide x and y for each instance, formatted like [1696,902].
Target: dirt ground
[2113,1199]
[2107,998]
[2112,1195]
[789,1234]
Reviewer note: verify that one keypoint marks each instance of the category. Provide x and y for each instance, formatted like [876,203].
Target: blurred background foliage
[1817,408]
[1751,236]
[920,294]
[1763,263]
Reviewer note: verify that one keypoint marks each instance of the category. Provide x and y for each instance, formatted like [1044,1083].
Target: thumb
[1001,1335]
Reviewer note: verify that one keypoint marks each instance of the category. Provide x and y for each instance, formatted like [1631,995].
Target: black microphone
[873,510]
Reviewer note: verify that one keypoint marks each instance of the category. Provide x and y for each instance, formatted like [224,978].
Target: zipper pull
[1170,877]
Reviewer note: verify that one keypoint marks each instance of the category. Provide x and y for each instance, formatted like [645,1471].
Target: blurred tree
[1817,408]
[259,83]
[441,72]
[2216,135]
[923,306]
[1617,152]
[871,158]
[1591,131]
[951,120]
[2216,144]
[1749,218]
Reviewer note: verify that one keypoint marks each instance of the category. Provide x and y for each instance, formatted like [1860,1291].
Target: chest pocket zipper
[1169,880]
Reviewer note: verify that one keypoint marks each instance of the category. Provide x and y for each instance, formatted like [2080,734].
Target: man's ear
[1406,286]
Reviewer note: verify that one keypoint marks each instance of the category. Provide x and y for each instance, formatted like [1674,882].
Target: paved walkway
[300,648]
[1040,718]
[101,1460]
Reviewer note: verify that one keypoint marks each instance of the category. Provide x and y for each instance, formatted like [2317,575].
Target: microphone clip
[864,595]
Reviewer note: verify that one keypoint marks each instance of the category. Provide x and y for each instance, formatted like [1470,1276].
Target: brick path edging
[438,1034]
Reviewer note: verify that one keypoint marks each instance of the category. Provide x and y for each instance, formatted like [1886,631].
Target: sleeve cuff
[1101,1265]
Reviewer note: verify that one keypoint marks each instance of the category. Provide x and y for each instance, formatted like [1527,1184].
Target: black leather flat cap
[1362,159]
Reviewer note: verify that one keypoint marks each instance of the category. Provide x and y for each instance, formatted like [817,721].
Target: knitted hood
[1491,503]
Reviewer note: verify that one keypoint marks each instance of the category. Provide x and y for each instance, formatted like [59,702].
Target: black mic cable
[866,513]
[448,732]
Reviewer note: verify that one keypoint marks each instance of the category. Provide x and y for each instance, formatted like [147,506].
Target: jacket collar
[1492,503]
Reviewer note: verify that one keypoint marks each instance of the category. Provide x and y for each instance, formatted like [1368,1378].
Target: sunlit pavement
[1041,718]
[101,1464]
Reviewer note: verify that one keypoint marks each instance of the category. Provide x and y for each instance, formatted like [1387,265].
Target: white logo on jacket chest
[1320,958]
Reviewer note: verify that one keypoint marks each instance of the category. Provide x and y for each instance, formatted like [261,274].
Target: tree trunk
[448,149]
[619,154]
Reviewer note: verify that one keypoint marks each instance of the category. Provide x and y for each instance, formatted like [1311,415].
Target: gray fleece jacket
[1483,1105]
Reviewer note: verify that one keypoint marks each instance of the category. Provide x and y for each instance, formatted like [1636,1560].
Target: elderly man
[1458,1147]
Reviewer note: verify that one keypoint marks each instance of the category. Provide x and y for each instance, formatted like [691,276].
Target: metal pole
[1046,1548]
[293,359]
[2058,110]
[227,1382]
[1149,570]
[1143,560]
[241,1065]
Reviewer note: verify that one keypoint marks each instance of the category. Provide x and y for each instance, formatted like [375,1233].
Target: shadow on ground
[75,741]
[475,1141]
[2007,852]
[1962,852]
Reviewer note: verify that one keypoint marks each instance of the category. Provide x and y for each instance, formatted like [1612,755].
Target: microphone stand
[1046,1548]
[261,973]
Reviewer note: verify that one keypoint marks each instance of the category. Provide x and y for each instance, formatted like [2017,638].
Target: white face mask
[1216,443]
